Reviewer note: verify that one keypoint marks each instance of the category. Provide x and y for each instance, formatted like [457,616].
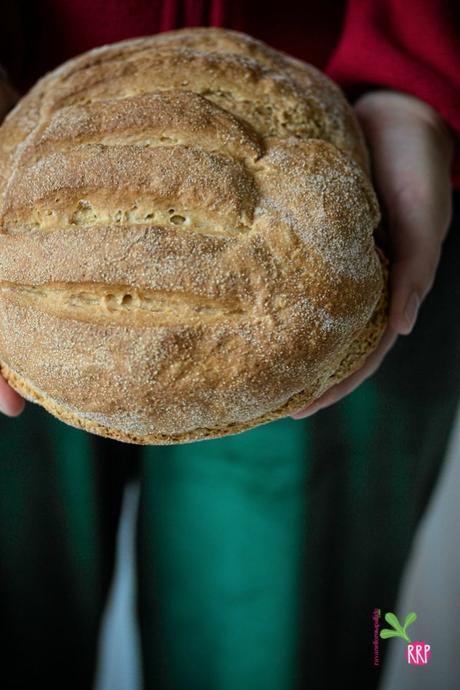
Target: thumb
[11,403]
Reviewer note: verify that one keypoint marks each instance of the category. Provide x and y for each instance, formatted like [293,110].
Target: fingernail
[410,312]
[12,411]
[3,409]
[311,409]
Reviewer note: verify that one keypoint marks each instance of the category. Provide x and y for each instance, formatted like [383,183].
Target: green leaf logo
[397,629]
[410,618]
[385,633]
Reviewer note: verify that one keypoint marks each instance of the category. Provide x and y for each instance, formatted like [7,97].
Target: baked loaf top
[186,245]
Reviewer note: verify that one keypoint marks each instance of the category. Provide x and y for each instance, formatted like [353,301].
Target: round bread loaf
[187,238]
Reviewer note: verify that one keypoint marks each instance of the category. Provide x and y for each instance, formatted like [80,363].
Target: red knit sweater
[408,45]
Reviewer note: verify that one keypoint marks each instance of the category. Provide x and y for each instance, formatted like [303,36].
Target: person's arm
[399,55]
[409,46]
[11,403]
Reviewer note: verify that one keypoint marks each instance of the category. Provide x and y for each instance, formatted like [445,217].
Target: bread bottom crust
[360,348]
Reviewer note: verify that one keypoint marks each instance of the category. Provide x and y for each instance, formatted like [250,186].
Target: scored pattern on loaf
[158,117]
[215,184]
[186,226]
[88,213]
[240,81]
[99,303]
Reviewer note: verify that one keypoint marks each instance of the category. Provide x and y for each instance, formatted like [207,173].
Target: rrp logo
[417,653]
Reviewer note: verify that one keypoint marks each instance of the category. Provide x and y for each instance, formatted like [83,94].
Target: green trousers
[260,556]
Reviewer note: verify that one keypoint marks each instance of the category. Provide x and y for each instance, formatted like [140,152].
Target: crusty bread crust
[186,239]
[354,358]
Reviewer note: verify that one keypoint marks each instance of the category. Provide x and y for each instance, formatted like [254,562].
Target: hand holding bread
[411,148]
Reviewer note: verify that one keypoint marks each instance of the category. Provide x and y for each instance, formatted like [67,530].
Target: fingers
[11,403]
[342,389]
[411,151]
[418,221]
[412,276]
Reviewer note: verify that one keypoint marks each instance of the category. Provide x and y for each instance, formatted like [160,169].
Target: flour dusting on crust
[186,238]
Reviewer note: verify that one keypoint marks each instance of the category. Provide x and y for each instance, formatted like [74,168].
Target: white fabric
[119,666]
[431,587]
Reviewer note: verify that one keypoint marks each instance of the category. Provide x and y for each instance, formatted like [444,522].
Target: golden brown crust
[358,351]
[186,238]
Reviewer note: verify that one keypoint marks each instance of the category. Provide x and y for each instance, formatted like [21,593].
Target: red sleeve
[406,45]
